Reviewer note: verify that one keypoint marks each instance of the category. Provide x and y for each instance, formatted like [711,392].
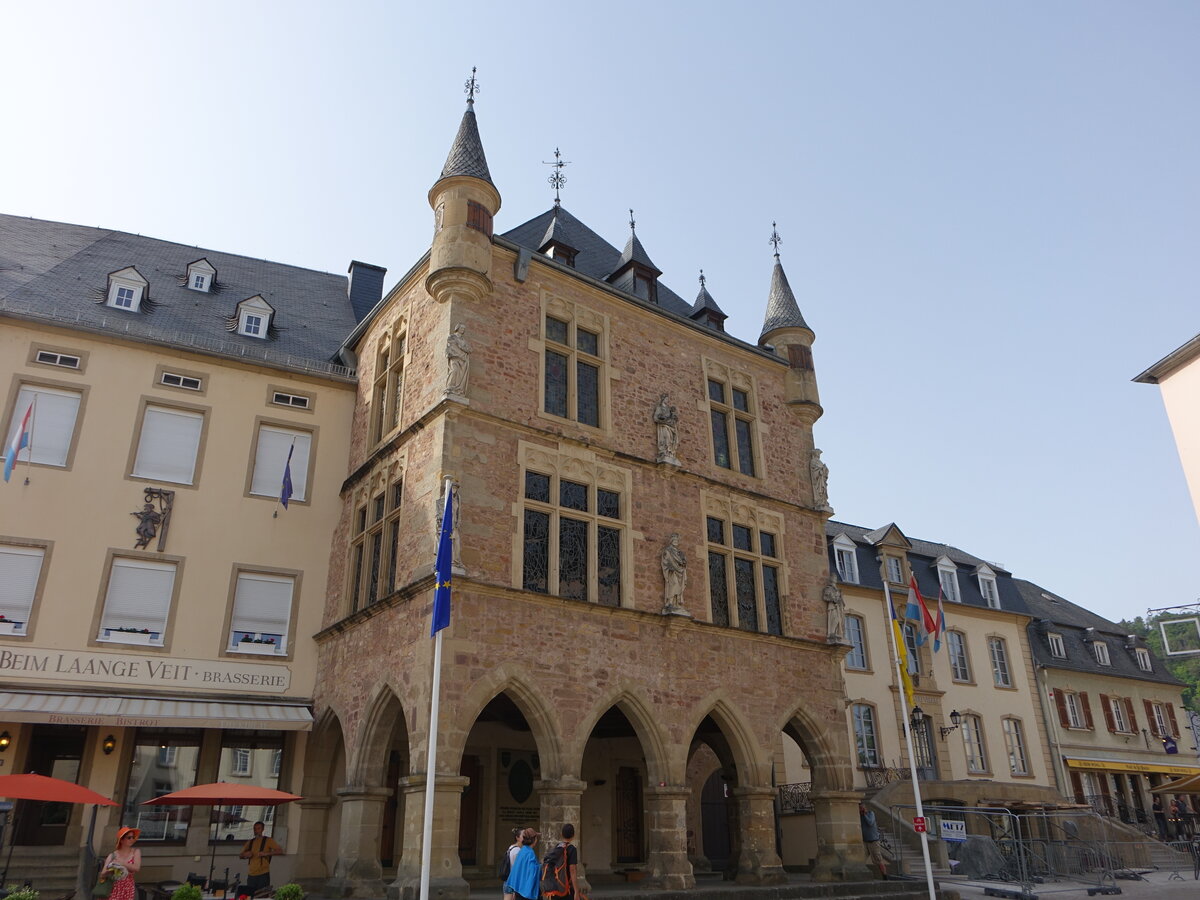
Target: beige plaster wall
[1180,393]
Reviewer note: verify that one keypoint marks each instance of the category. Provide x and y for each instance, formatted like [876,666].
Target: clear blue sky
[990,211]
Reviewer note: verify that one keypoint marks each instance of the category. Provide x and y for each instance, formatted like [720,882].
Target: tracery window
[573,362]
[388,389]
[744,567]
[375,544]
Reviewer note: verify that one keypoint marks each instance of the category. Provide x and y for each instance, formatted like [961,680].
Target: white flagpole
[912,759]
[431,755]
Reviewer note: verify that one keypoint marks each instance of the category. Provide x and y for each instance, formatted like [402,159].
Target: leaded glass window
[608,562]
[740,454]
[556,384]
[718,589]
[375,550]
[770,577]
[537,552]
[741,584]
[572,379]
[743,574]
[572,558]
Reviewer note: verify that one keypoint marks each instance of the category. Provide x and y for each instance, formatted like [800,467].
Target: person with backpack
[526,873]
[560,872]
[507,860]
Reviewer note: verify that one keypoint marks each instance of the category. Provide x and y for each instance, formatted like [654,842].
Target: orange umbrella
[51,790]
[222,793]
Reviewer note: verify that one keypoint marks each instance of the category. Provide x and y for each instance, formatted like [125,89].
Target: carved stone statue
[666,420]
[147,528]
[674,567]
[819,473]
[836,613]
[456,534]
[458,361]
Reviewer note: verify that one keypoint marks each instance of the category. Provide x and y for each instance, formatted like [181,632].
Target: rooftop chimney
[365,287]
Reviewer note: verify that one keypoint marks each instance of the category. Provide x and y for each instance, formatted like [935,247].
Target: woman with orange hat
[122,864]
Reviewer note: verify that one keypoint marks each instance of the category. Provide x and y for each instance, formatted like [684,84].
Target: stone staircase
[51,870]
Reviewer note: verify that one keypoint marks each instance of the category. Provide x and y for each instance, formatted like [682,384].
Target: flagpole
[912,759]
[32,426]
[431,755]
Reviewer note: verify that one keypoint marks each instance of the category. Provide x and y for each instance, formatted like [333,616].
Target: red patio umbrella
[222,793]
[50,790]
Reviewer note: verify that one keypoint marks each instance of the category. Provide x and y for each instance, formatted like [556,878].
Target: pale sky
[990,211]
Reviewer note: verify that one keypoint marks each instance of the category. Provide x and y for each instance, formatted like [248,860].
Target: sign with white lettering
[149,671]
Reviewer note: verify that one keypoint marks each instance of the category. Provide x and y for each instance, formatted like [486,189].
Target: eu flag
[285,489]
[442,572]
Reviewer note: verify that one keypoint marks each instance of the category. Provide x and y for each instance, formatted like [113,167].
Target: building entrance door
[468,817]
[57,751]
[923,747]
[627,822]
[714,821]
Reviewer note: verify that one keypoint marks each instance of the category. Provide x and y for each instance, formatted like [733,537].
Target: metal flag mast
[912,759]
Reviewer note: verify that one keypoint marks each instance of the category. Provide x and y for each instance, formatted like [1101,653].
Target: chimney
[365,288]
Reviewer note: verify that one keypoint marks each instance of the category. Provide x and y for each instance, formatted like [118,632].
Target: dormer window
[948,579]
[1100,649]
[200,275]
[1143,659]
[253,318]
[252,324]
[126,289]
[987,586]
[645,286]
[844,559]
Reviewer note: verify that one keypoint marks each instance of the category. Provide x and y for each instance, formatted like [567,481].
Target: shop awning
[151,712]
[1188,785]
[1124,765]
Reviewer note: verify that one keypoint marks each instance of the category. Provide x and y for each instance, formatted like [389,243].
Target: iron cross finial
[632,223]
[557,179]
[775,240]
[702,279]
[471,87]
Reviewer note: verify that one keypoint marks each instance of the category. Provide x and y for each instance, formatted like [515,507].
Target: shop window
[250,759]
[162,762]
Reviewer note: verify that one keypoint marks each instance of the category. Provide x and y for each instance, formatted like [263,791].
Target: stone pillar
[840,852]
[757,862]
[311,870]
[357,872]
[445,876]
[560,803]
[666,808]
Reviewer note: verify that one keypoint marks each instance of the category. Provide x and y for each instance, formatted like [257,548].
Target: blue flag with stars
[442,572]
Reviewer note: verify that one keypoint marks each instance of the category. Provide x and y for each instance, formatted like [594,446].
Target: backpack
[556,874]
[504,867]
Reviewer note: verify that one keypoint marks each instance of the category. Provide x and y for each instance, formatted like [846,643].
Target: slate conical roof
[634,252]
[705,305]
[782,309]
[466,153]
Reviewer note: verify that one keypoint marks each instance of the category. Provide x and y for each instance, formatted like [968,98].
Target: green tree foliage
[1185,668]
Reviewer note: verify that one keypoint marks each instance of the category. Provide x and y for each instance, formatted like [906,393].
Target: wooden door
[714,820]
[627,816]
[468,816]
[57,751]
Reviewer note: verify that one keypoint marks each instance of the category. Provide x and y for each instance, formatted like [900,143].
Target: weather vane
[471,87]
[775,240]
[701,278]
[632,223]
[557,179]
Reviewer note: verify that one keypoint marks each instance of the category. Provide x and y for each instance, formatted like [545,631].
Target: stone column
[560,803]
[357,872]
[311,869]
[757,863]
[666,808]
[840,852]
[445,876]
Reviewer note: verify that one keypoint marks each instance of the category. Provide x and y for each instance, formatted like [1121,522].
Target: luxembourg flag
[20,440]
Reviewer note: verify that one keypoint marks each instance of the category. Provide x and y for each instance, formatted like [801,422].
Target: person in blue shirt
[870,838]
[525,879]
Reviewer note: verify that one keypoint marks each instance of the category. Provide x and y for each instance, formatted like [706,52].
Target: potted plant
[291,891]
[187,891]
[263,646]
[132,635]
[8,626]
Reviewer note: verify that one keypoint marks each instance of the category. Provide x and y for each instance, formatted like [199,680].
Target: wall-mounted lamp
[5,740]
[956,718]
[108,745]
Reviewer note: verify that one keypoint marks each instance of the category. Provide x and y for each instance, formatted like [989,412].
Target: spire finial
[632,223]
[557,179]
[775,240]
[471,87]
[701,279]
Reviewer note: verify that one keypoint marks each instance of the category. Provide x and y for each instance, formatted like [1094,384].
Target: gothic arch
[752,761]
[658,767]
[321,752]
[368,765]
[825,745]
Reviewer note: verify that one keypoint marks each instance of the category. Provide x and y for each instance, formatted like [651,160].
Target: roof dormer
[254,318]
[200,276]
[126,289]
[636,273]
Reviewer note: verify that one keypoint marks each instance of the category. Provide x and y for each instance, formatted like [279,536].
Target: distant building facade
[1178,378]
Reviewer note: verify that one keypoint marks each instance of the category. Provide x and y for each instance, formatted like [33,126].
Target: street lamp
[956,718]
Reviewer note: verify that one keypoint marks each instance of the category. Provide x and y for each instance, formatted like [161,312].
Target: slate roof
[922,560]
[54,271]
[782,309]
[466,153]
[596,257]
[1053,613]
[705,302]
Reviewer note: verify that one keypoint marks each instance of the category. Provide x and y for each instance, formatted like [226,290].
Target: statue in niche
[458,361]
[836,614]
[674,567]
[666,421]
[819,473]
[455,535]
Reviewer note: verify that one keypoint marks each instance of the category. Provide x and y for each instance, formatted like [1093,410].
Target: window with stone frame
[998,653]
[375,543]
[574,371]
[866,741]
[574,527]
[387,388]
[1014,743]
[743,576]
[912,649]
[960,662]
[732,415]
[973,744]
[856,635]
[895,569]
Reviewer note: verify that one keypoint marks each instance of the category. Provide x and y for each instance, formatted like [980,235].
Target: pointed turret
[705,309]
[464,202]
[788,335]
[636,273]
[558,243]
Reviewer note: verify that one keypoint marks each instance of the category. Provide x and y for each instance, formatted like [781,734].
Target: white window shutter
[53,423]
[263,605]
[139,595]
[168,445]
[20,568]
[271,457]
